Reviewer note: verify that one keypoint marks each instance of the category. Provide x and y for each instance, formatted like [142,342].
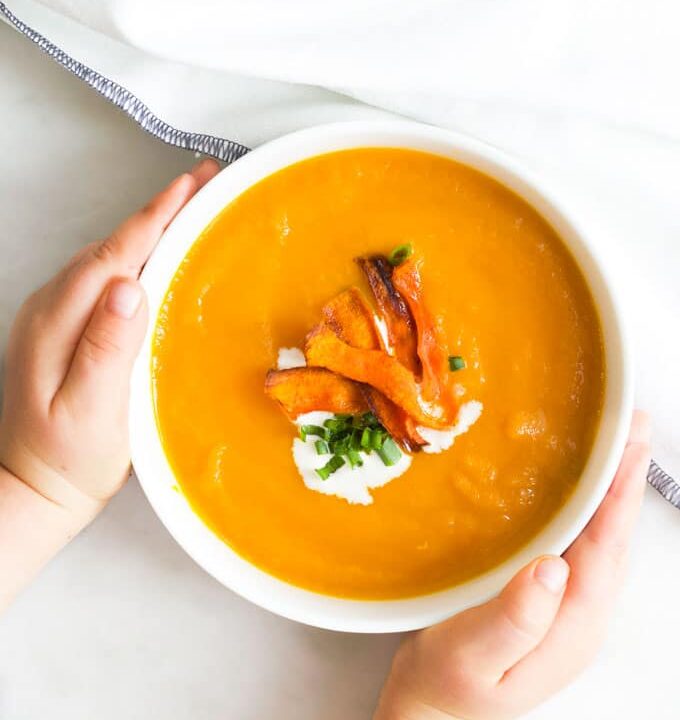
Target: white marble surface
[122,624]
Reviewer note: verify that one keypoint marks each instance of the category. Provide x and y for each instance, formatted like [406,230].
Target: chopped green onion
[313,430]
[336,424]
[335,463]
[369,420]
[456,362]
[377,437]
[355,440]
[389,452]
[354,458]
[321,447]
[346,437]
[340,446]
[400,254]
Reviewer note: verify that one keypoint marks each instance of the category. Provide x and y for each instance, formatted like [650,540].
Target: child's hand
[501,659]
[63,430]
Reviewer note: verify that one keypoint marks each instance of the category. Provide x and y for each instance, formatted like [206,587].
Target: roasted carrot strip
[305,389]
[397,423]
[351,319]
[383,372]
[432,347]
[401,329]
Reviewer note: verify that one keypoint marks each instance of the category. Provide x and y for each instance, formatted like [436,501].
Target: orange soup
[512,303]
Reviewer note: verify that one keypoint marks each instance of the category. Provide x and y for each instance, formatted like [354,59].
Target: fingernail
[552,573]
[205,165]
[198,164]
[124,299]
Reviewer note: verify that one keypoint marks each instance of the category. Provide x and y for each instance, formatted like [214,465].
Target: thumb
[102,363]
[493,637]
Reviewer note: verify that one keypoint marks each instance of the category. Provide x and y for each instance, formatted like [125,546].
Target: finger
[63,308]
[124,253]
[100,372]
[205,170]
[640,429]
[127,249]
[596,559]
[491,638]
[598,554]
[130,245]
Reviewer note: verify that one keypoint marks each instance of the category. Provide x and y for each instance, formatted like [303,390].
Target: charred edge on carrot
[401,327]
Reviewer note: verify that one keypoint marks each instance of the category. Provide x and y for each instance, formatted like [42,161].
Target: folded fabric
[581,91]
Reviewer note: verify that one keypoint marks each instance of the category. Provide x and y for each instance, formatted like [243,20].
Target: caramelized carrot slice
[432,347]
[397,423]
[350,317]
[401,329]
[383,372]
[305,389]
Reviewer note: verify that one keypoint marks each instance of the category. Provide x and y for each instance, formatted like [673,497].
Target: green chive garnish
[355,440]
[369,420]
[354,458]
[341,446]
[377,437]
[314,430]
[389,452]
[335,463]
[336,424]
[321,447]
[347,438]
[456,362]
[400,254]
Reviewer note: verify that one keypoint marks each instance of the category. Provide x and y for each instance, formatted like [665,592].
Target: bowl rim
[374,616]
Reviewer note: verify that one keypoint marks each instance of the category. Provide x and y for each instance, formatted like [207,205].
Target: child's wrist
[398,703]
[407,711]
[46,482]
[33,529]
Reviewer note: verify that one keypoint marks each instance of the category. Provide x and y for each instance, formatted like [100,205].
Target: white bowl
[219,559]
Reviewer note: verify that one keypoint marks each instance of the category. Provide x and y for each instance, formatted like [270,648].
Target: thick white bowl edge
[217,558]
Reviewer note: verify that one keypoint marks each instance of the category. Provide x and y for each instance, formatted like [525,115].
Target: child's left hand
[64,430]
[498,660]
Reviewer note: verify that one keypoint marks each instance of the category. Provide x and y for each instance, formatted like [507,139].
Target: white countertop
[123,624]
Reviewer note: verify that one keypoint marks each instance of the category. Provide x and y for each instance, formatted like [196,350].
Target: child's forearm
[32,530]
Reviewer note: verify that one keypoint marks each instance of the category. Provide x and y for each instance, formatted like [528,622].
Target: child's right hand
[63,430]
[500,659]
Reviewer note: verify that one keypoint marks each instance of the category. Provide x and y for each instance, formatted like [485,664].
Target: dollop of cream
[290,358]
[355,484]
[350,484]
[440,440]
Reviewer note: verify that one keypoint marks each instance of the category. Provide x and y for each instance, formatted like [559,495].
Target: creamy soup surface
[512,302]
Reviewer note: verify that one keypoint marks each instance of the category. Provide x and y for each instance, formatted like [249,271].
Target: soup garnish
[398,374]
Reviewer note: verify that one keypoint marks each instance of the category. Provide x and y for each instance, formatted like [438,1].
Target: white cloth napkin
[584,92]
